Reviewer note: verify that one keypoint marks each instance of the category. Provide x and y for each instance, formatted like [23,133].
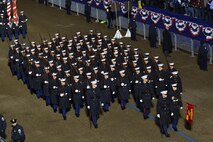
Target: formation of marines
[93,70]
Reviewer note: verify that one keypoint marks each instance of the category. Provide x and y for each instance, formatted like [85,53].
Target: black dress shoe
[167,135]
[65,118]
[96,126]
[77,115]
[123,108]
[145,117]
[175,129]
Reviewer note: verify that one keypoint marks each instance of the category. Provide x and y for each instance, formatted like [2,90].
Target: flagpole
[118,33]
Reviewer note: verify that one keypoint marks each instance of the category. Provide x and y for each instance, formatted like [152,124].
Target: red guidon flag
[189,113]
[15,14]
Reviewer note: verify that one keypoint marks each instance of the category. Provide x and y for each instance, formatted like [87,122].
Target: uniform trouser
[109,23]
[106,106]
[123,103]
[133,34]
[146,111]
[10,36]
[88,18]
[174,123]
[23,76]
[55,106]
[77,109]
[164,129]
[39,93]
[47,100]
[2,37]
[24,33]
[16,35]
[2,134]
[63,112]
[94,120]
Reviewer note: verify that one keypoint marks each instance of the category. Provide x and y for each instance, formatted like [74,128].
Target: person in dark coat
[17,134]
[176,105]
[152,35]
[88,11]
[68,6]
[23,23]
[167,43]
[109,16]
[94,102]
[163,112]
[63,97]
[202,57]
[123,89]
[137,80]
[3,126]
[133,28]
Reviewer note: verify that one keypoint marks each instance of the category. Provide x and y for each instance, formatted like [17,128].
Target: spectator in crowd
[167,43]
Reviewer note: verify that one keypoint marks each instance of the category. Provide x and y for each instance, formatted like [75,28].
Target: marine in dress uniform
[17,134]
[2,27]
[54,86]
[176,105]
[3,126]
[94,102]
[23,23]
[163,112]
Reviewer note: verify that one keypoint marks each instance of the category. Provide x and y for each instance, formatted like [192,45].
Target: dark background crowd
[202,9]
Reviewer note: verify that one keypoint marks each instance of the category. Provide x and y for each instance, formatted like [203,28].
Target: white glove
[112,79]
[141,100]
[172,114]
[11,57]
[105,86]
[46,82]
[70,99]
[158,115]
[88,87]
[113,92]
[153,98]
[82,97]
[129,91]
[102,104]
[62,94]
[122,84]
[136,81]
[156,86]
[181,93]
[181,107]
[76,91]
[30,72]
[130,81]
[88,107]
[37,74]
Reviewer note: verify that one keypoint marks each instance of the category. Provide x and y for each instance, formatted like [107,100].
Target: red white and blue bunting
[106,3]
[167,21]
[144,14]
[180,25]
[124,10]
[97,2]
[208,32]
[155,17]
[134,11]
[194,29]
